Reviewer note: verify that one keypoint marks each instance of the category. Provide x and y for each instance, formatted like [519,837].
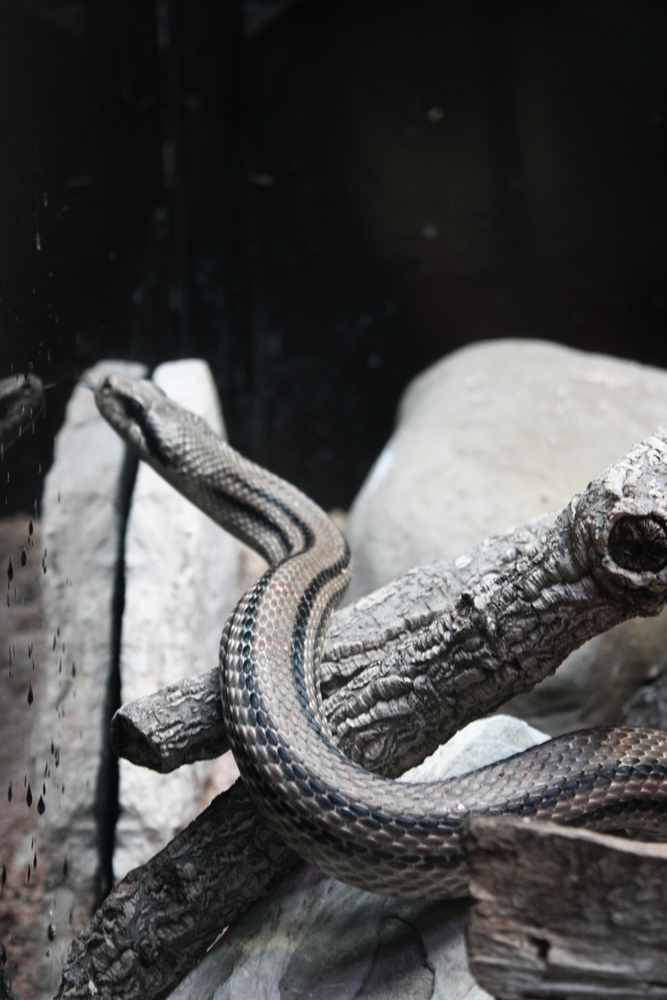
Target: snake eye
[133,408]
[106,386]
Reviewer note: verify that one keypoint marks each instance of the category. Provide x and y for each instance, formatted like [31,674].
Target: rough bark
[183,722]
[566,913]
[161,918]
[177,725]
[405,668]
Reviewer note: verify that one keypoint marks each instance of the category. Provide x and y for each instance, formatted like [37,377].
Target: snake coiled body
[385,836]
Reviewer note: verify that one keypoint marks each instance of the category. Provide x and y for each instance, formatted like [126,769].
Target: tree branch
[183,723]
[160,920]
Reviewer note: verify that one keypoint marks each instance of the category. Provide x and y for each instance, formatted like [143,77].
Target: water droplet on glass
[24,557]
[34,860]
[9,792]
[10,570]
[65,868]
[41,806]
[30,528]
[28,797]
[38,241]
[31,696]
[3,878]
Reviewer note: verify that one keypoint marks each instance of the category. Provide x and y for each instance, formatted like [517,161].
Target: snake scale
[390,837]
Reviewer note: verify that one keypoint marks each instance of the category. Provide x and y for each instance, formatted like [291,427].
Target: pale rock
[181,583]
[85,497]
[315,937]
[480,742]
[488,438]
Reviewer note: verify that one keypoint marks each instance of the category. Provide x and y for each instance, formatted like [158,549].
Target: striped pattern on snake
[382,835]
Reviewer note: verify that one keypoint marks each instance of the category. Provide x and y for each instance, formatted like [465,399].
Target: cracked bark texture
[160,920]
[450,642]
[183,723]
[602,936]
[408,684]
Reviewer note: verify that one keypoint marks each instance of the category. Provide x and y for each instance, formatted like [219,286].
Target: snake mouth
[639,543]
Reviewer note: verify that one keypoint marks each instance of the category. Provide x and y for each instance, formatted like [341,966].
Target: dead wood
[160,920]
[566,913]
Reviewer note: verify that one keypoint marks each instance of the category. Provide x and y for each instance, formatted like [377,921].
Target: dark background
[322,197]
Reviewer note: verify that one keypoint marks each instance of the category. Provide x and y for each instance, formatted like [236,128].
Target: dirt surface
[21,660]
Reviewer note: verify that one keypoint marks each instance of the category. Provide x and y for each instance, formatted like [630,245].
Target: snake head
[130,406]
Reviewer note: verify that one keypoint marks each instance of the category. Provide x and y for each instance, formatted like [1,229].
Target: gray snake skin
[385,836]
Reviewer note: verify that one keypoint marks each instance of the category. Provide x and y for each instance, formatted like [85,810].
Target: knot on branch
[639,543]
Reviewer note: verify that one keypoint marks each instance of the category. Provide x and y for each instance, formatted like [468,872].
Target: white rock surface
[84,497]
[315,937]
[480,742]
[490,437]
[181,583]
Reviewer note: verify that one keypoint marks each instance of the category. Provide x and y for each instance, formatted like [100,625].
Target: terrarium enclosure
[286,213]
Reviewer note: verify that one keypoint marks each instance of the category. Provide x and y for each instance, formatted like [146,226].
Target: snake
[387,836]
[21,403]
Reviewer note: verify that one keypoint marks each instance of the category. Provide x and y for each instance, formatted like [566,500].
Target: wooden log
[177,725]
[183,723]
[160,920]
[566,913]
